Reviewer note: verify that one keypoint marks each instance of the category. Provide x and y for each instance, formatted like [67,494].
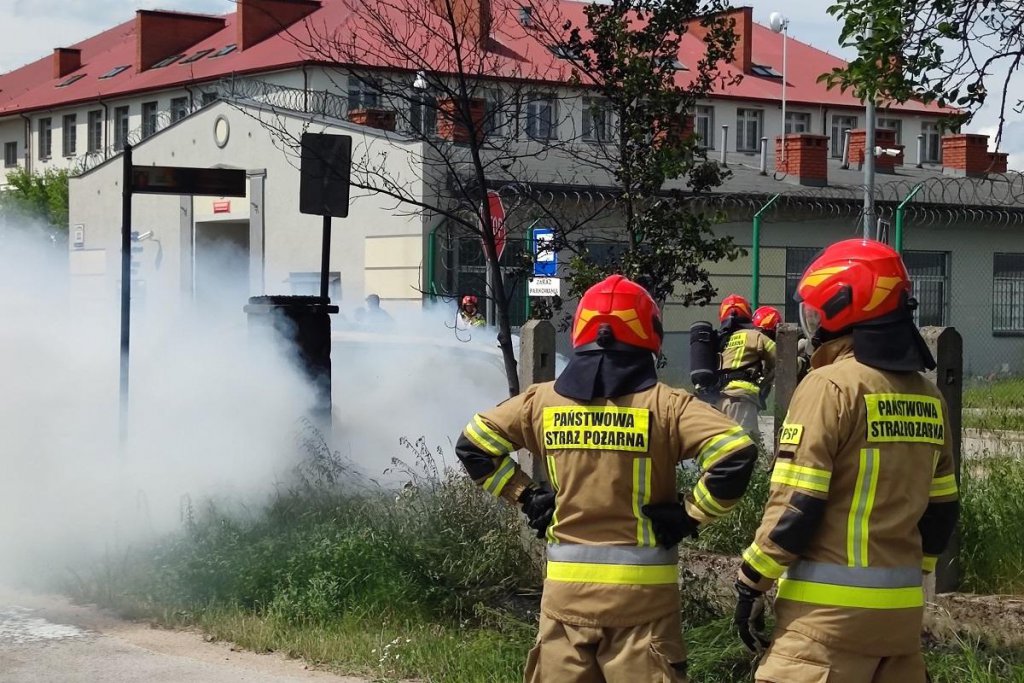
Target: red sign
[222,207]
[497,222]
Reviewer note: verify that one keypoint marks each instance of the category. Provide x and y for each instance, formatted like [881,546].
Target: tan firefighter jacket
[748,358]
[863,497]
[605,460]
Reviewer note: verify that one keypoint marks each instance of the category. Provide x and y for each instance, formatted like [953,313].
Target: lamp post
[780,24]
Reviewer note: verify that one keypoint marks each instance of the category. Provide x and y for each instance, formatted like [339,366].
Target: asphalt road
[45,639]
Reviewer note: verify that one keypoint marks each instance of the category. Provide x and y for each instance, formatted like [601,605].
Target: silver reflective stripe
[611,554]
[494,482]
[858,577]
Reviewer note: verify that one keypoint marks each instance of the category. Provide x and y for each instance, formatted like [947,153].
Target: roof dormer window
[224,51]
[115,71]
[167,62]
[68,81]
[196,57]
[766,71]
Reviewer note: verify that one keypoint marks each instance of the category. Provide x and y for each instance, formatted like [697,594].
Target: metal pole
[725,142]
[764,156]
[869,161]
[325,258]
[900,211]
[756,253]
[126,284]
[785,32]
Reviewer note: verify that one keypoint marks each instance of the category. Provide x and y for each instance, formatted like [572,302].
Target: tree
[627,55]
[43,197]
[944,51]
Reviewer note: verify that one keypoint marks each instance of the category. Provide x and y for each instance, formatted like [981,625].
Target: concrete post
[947,347]
[786,341]
[536,364]
[257,230]
[187,249]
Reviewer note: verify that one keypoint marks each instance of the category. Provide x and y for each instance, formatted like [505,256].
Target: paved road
[44,639]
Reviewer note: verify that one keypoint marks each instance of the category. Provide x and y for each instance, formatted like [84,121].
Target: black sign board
[326,169]
[181,180]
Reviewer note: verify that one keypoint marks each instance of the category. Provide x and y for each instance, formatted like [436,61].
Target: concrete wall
[292,240]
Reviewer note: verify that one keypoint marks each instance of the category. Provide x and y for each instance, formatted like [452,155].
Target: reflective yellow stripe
[762,562]
[641,497]
[850,596]
[486,438]
[769,344]
[622,574]
[493,435]
[745,386]
[799,476]
[738,342]
[943,486]
[721,446]
[858,523]
[708,503]
[495,483]
[553,476]
[929,563]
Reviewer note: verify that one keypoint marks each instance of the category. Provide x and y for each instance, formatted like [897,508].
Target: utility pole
[869,161]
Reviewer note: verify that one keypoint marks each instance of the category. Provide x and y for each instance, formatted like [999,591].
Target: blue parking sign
[545,260]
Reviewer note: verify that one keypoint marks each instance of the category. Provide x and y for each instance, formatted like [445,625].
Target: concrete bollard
[786,341]
[947,347]
[536,364]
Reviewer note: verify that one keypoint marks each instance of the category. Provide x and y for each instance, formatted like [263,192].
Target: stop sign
[497,210]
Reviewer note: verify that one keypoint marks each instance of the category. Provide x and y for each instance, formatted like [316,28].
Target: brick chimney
[967,155]
[474,16]
[744,29]
[805,161]
[885,138]
[258,20]
[676,128]
[160,34]
[66,60]
[452,126]
[998,162]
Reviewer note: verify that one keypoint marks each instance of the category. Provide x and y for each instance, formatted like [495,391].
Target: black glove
[671,523]
[749,617]
[539,507]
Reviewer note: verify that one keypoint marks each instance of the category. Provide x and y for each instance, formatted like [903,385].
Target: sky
[63,22]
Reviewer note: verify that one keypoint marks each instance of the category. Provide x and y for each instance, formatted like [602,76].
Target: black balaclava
[732,324]
[891,343]
[607,369]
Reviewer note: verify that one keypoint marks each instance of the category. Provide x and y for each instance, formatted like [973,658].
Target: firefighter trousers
[647,653]
[795,658]
[743,410]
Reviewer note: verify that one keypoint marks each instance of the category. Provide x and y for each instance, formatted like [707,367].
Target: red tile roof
[33,88]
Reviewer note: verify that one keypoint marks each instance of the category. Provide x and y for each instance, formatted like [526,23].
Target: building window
[929,271]
[10,154]
[748,129]
[423,113]
[798,122]
[597,120]
[1008,294]
[361,95]
[149,119]
[179,109]
[95,131]
[45,138]
[704,126]
[70,131]
[841,124]
[540,118]
[496,107]
[797,260]
[893,124]
[120,128]
[932,142]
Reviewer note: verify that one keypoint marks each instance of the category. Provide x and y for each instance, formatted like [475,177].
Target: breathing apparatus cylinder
[703,354]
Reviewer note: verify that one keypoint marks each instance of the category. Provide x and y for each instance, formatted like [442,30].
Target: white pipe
[725,141]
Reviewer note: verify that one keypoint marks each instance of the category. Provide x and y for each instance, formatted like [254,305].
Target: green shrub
[992,524]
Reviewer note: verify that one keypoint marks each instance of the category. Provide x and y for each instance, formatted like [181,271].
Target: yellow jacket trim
[501,441]
[707,502]
[799,476]
[642,496]
[858,523]
[762,562]
[743,385]
[721,446]
[634,575]
[850,596]
[929,563]
[495,483]
[943,486]
[486,438]
[553,476]
[769,345]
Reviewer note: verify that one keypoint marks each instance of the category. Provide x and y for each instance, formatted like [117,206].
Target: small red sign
[497,222]
[222,207]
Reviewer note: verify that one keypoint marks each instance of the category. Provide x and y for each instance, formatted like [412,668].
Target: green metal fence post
[756,249]
[900,212]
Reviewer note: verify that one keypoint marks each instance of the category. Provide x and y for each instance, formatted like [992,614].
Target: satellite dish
[777,22]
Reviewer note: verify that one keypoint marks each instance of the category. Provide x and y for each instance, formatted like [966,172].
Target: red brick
[452,125]
[806,156]
[381,119]
[160,34]
[66,60]
[261,19]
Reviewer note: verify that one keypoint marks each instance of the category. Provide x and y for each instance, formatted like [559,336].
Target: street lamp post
[780,24]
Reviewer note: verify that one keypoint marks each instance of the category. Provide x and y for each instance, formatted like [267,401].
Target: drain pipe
[725,142]
[431,257]
[756,249]
[900,212]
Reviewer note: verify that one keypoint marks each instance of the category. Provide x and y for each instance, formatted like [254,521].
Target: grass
[996,405]
[992,525]
[438,582]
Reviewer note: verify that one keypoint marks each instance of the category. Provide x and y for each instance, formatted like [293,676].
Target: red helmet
[470,299]
[851,282]
[623,305]
[734,304]
[767,318]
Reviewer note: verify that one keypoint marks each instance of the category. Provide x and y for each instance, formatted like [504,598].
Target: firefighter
[748,363]
[766,319]
[469,314]
[608,436]
[863,494]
